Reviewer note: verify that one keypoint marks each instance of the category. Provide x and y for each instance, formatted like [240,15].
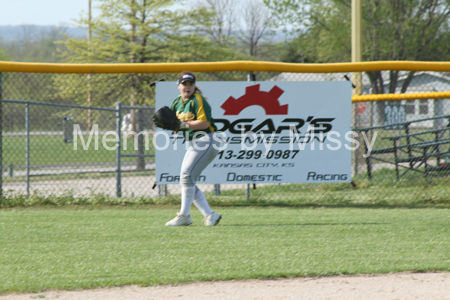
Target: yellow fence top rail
[249,66]
[399,97]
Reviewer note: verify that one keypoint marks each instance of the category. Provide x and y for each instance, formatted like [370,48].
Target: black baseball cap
[186,77]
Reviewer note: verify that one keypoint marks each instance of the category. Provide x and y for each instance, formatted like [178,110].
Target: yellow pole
[89,99]
[356,76]
[356,43]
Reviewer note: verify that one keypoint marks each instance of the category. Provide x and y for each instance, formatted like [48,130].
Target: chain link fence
[58,138]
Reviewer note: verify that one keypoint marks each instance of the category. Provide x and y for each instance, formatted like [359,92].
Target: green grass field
[376,226]
[69,248]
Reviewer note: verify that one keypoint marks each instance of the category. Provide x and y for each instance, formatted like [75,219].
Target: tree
[34,44]
[139,31]
[392,30]
[257,24]
[224,18]
[143,31]
[243,30]
[3,55]
[404,30]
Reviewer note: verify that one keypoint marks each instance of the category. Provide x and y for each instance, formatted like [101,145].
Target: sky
[44,12]
[41,12]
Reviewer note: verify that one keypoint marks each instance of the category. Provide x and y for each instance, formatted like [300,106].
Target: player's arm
[196,125]
[201,122]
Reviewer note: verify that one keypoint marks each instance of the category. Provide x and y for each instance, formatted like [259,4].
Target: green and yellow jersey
[195,108]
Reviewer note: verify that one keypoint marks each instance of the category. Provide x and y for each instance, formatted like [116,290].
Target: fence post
[1,138]
[217,190]
[162,190]
[27,128]
[250,77]
[118,154]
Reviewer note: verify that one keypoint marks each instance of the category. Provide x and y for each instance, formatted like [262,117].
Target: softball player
[194,112]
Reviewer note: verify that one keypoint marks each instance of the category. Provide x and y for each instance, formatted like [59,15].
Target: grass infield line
[69,249]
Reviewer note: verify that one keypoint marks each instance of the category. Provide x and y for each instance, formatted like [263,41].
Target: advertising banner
[270,132]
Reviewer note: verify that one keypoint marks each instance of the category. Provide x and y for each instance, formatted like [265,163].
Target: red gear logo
[253,96]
